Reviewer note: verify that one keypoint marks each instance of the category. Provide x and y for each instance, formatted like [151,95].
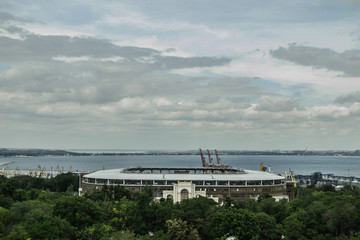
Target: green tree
[118,192]
[36,219]
[327,188]
[273,208]
[78,211]
[18,232]
[142,215]
[294,228]
[235,222]
[4,216]
[109,193]
[6,201]
[119,215]
[20,195]
[180,230]
[341,220]
[41,225]
[197,212]
[95,232]
[63,181]
[51,197]
[269,229]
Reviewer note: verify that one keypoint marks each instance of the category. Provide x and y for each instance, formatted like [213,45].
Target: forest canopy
[39,208]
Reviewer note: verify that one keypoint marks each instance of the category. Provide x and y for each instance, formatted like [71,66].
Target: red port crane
[217,158]
[211,164]
[210,159]
[204,163]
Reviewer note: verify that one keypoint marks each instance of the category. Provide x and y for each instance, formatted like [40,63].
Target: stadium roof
[243,175]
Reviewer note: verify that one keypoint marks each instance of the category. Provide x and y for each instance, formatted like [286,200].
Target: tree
[142,214]
[294,227]
[235,222]
[273,208]
[197,212]
[96,231]
[4,215]
[37,222]
[78,211]
[180,230]
[18,233]
[119,215]
[109,193]
[341,219]
[63,181]
[269,230]
[20,195]
[327,188]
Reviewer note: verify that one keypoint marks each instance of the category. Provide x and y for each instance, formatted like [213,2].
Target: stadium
[183,183]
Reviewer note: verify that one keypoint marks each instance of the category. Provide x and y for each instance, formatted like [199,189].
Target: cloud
[347,62]
[45,48]
[181,85]
[168,62]
[11,25]
[348,98]
[6,17]
[36,47]
[277,105]
[92,70]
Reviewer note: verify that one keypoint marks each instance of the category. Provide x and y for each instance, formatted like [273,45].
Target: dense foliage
[50,209]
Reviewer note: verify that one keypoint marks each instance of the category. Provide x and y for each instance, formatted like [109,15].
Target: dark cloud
[45,48]
[11,24]
[12,29]
[35,47]
[7,17]
[347,62]
[348,98]
[90,70]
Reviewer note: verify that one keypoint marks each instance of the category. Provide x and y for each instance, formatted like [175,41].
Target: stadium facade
[183,183]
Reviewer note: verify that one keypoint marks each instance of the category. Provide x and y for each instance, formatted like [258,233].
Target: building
[183,183]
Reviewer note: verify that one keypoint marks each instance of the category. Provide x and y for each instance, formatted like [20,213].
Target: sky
[178,75]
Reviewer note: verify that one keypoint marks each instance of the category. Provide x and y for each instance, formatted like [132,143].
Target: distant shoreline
[9,152]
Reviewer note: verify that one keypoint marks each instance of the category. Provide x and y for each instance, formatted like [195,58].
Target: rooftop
[184,174]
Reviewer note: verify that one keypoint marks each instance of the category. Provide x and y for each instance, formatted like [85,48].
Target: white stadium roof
[245,175]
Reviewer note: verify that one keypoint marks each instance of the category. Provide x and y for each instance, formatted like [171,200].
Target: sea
[300,165]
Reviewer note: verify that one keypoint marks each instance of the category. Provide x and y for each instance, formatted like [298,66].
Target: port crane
[204,163]
[211,163]
[218,160]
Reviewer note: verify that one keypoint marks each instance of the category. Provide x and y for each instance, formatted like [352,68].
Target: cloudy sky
[237,74]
